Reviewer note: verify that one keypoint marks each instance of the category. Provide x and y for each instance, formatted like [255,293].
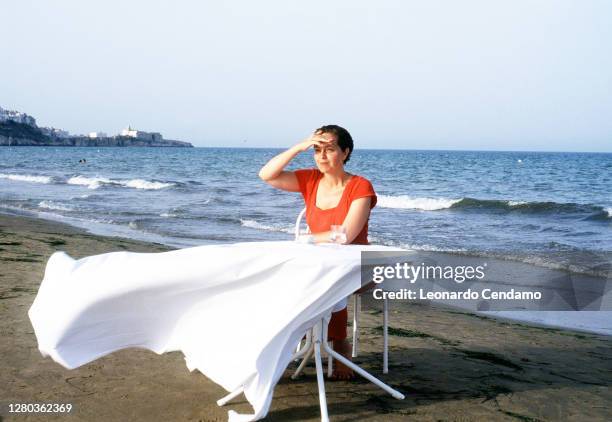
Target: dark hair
[345,141]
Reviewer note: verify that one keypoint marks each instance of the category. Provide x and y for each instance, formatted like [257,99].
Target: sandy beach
[451,365]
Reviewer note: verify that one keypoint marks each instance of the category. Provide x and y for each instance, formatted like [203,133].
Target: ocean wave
[603,215]
[221,218]
[435,204]
[51,205]
[260,226]
[537,207]
[26,178]
[407,202]
[144,184]
[168,215]
[90,182]
[431,248]
[375,240]
[86,197]
[96,182]
[592,211]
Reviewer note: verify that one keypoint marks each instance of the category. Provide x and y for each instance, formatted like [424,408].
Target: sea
[549,209]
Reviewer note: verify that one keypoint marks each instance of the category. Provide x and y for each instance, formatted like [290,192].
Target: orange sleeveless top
[321,220]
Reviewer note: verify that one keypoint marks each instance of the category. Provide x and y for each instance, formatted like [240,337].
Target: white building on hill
[139,134]
[55,132]
[16,116]
[97,135]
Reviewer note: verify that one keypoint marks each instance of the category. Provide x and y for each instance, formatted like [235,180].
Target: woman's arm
[273,172]
[357,217]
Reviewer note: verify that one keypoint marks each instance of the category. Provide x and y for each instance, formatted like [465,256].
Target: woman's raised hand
[311,141]
[274,171]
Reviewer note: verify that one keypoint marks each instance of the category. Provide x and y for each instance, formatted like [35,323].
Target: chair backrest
[297,223]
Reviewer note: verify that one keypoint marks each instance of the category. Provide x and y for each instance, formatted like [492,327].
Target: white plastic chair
[356,314]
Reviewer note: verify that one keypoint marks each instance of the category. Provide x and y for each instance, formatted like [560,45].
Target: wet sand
[451,365]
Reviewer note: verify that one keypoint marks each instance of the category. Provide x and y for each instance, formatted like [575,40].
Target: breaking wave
[90,182]
[591,211]
[260,226]
[407,202]
[52,205]
[26,178]
[96,182]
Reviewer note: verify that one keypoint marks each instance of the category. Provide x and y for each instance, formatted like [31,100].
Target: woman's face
[329,157]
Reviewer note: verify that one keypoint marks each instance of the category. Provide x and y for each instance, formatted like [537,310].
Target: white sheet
[236,311]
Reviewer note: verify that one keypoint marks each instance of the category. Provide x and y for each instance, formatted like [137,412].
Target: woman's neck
[336,180]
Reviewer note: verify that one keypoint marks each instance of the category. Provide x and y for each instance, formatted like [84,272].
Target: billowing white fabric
[236,311]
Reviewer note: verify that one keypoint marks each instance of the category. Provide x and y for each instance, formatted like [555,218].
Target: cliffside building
[55,132]
[16,116]
[139,134]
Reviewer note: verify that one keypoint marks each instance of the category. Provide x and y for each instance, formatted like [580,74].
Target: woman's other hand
[355,220]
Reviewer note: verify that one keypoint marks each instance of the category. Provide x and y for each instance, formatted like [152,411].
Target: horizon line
[358,149]
[425,149]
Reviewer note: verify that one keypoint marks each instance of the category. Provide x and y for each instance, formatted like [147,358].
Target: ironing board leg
[330,362]
[223,401]
[300,368]
[301,350]
[319,365]
[356,313]
[386,336]
[365,374]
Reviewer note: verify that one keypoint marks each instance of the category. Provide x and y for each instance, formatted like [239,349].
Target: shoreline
[120,230]
[114,230]
[91,227]
[446,362]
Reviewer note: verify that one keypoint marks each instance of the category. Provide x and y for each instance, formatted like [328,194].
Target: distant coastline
[20,129]
[19,134]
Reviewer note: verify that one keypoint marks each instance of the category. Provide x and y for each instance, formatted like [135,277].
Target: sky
[469,75]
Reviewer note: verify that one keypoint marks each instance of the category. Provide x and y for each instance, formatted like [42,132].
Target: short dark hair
[344,137]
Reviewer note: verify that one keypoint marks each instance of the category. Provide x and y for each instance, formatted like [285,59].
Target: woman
[332,197]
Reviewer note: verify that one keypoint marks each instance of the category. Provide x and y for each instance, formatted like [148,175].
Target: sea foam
[26,178]
[52,205]
[96,182]
[407,202]
[257,225]
[144,184]
[168,215]
[431,248]
[90,182]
